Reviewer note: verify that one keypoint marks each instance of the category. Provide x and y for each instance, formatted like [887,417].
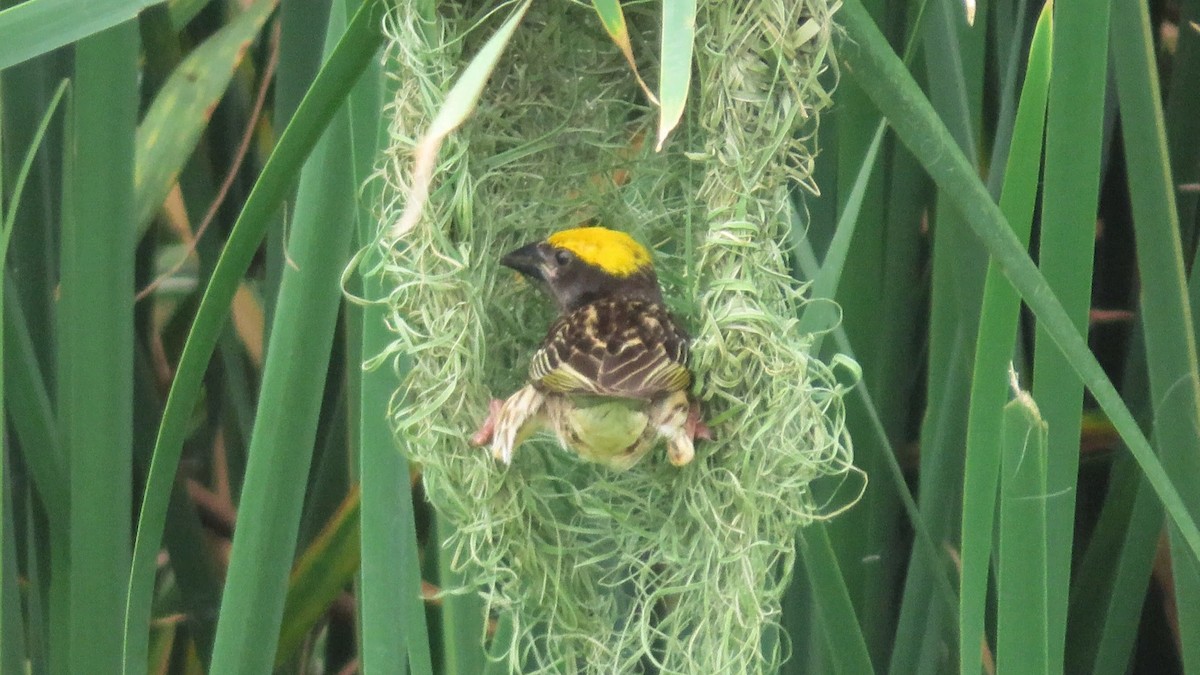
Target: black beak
[527,260]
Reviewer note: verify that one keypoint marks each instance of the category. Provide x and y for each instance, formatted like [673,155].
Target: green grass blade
[9,218]
[28,405]
[954,67]
[196,577]
[500,652]
[95,333]
[462,614]
[848,649]
[289,404]
[12,623]
[1166,315]
[1071,179]
[993,352]
[675,69]
[393,613]
[354,51]
[1109,592]
[1008,36]
[35,246]
[924,632]
[1021,630]
[392,621]
[321,573]
[38,562]
[301,25]
[24,392]
[1182,122]
[850,272]
[873,62]
[808,263]
[182,108]
[38,26]
[613,18]
[819,316]
[12,650]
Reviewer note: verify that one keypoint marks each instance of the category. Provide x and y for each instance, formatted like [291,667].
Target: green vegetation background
[181,186]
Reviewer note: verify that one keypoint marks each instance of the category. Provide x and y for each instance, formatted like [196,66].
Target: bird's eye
[563,257]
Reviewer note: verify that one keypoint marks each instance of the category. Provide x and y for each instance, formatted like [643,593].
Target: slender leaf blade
[354,51]
[1074,134]
[1166,315]
[884,76]
[1021,631]
[848,649]
[675,70]
[183,106]
[613,18]
[994,351]
[290,400]
[39,26]
[95,333]
[321,573]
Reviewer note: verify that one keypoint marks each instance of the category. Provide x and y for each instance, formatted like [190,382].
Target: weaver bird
[611,379]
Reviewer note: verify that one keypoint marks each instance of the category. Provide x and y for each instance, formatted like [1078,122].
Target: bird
[610,380]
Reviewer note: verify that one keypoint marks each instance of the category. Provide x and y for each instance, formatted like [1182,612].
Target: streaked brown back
[614,347]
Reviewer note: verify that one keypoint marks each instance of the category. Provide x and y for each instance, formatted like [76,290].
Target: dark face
[572,282]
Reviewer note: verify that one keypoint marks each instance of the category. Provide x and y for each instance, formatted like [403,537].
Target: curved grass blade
[35,27]
[462,615]
[819,316]
[351,56]
[953,57]
[889,84]
[613,18]
[455,110]
[391,607]
[25,397]
[675,73]
[182,108]
[14,199]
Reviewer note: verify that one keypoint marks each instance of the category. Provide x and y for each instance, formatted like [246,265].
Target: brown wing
[614,347]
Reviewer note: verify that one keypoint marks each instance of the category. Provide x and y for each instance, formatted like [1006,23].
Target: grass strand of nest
[665,569]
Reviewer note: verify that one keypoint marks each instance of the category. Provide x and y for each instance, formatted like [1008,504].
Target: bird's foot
[488,429]
[695,426]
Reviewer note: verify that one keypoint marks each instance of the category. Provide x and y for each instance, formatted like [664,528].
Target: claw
[488,428]
[695,426]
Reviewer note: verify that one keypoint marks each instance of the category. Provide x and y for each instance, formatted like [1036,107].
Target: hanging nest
[665,569]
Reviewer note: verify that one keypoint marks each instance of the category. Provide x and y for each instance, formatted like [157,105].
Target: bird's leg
[510,422]
[676,425]
[695,426]
[488,428]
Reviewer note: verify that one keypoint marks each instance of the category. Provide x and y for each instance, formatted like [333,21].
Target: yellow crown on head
[614,252]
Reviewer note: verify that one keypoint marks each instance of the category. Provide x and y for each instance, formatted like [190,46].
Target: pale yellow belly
[613,432]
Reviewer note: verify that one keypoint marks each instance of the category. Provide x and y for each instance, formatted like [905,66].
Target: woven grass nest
[663,569]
